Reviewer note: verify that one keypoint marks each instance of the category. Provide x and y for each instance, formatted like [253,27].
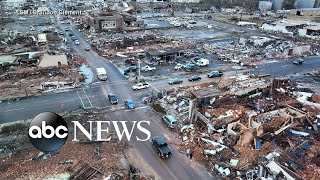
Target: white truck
[148,68]
[202,62]
[141,85]
[102,74]
[42,39]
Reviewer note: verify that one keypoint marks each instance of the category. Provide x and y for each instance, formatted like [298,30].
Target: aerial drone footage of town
[159,89]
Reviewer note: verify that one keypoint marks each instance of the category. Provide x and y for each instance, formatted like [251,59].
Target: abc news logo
[48,131]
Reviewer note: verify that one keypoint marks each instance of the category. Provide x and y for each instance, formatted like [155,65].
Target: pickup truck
[202,62]
[141,85]
[161,146]
[148,68]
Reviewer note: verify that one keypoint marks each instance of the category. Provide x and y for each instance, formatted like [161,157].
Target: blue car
[129,104]
[175,81]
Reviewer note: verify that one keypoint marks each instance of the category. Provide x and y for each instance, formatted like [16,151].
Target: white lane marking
[143,107]
[41,101]
[81,99]
[109,83]
[155,88]
[13,109]
[285,65]
[166,136]
[148,93]
[87,97]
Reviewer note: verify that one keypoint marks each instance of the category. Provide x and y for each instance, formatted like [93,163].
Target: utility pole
[139,68]
[151,5]
[172,6]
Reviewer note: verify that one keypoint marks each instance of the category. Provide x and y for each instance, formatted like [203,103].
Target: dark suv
[130,69]
[113,99]
[161,146]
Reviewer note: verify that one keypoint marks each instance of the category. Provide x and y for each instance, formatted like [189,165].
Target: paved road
[95,95]
[284,68]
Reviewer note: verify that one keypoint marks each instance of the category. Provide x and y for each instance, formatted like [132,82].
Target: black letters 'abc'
[41,135]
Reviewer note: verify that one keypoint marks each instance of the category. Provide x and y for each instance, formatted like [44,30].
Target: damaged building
[267,130]
[163,55]
[105,22]
[108,21]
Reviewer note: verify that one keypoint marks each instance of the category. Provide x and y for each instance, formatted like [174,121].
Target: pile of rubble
[269,131]
[99,159]
[136,42]
[176,101]
[29,81]
[255,49]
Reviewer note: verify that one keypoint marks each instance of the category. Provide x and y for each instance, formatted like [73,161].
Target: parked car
[214,74]
[298,61]
[178,66]
[113,99]
[131,61]
[190,55]
[193,22]
[170,121]
[177,24]
[148,68]
[87,48]
[161,146]
[70,34]
[141,54]
[190,67]
[141,85]
[202,62]
[66,29]
[195,59]
[77,42]
[129,104]
[61,32]
[73,38]
[189,26]
[194,78]
[175,81]
[129,69]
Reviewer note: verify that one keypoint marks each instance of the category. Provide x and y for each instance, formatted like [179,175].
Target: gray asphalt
[286,67]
